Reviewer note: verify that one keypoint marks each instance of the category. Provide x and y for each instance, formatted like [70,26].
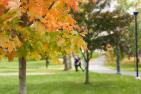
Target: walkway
[98,66]
[32,73]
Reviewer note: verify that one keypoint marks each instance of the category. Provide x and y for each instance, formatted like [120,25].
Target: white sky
[114,3]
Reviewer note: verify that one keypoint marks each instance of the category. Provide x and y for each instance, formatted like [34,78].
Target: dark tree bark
[22,75]
[118,59]
[87,68]
[87,73]
[87,56]
[65,63]
[47,62]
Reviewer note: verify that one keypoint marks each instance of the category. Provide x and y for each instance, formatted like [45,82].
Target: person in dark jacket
[77,63]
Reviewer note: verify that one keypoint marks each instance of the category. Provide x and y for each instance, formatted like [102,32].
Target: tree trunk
[87,72]
[47,62]
[118,59]
[65,63]
[22,75]
[87,59]
[69,62]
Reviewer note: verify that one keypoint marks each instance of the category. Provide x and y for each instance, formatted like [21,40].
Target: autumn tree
[23,28]
[88,10]
[103,25]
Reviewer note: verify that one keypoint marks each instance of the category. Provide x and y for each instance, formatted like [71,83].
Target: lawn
[124,67]
[63,82]
[72,83]
[125,64]
[32,66]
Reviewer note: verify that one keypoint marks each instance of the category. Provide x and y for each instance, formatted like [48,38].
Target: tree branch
[83,55]
[50,7]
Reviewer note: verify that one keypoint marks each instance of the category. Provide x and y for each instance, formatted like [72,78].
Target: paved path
[98,66]
[29,73]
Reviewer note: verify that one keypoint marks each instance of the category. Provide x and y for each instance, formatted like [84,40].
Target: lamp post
[136,45]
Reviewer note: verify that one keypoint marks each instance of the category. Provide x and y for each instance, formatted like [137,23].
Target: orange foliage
[54,14]
[3,4]
[71,4]
[11,55]
[37,7]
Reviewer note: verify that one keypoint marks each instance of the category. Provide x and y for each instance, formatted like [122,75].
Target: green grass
[126,64]
[124,67]
[72,83]
[32,66]
[61,82]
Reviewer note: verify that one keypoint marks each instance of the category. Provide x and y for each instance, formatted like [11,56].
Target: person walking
[77,64]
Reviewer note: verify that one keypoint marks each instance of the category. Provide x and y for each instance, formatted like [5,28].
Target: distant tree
[102,27]
[88,10]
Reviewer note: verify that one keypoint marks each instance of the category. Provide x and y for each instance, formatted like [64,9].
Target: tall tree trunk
[118,59]
[87,68]
[87,59]
[22,75]
[69,62]
[47,62]
[87,72]
[65,63]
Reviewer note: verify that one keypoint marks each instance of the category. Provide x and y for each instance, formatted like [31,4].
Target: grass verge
[72,83]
